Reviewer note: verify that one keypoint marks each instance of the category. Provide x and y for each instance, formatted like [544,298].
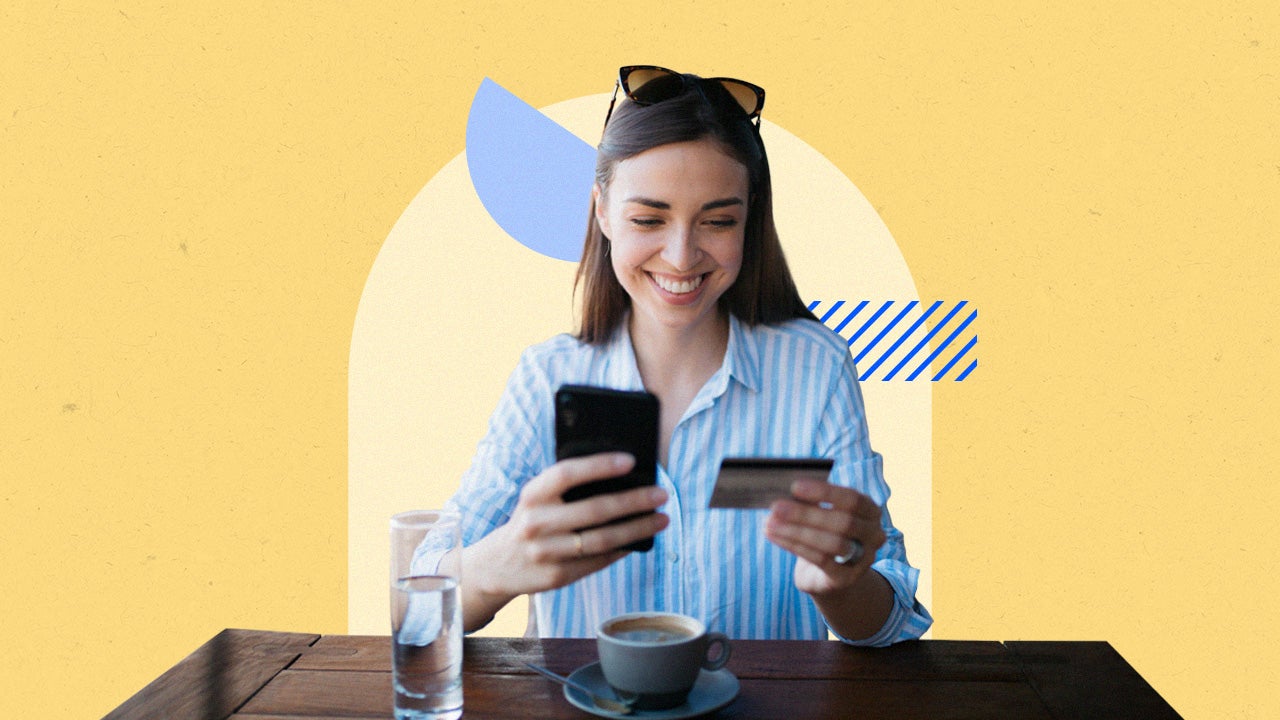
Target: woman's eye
[646,222]
[723,222]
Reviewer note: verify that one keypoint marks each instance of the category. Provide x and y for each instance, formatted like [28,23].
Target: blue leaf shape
[532,175]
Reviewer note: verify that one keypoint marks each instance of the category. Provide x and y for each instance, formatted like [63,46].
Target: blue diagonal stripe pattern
[900,334]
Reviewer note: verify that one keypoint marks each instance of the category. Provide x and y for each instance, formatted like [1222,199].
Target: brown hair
[764,291]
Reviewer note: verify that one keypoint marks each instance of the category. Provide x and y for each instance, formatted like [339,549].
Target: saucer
[712,691]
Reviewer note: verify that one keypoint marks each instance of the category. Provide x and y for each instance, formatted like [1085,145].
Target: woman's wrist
[859,610]
[482,592]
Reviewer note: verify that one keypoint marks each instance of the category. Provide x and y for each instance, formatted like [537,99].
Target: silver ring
[852,555]
[577,542]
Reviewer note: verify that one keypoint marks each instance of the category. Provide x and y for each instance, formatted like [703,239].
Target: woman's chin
[679,318]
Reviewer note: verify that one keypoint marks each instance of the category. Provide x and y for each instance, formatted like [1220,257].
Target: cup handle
[713,639]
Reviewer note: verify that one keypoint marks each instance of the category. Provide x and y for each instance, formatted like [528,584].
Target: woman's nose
[681,250]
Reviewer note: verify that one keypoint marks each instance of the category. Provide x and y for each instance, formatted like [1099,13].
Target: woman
[686,293]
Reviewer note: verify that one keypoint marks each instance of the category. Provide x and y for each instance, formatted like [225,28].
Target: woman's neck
[670,358]
[674,364]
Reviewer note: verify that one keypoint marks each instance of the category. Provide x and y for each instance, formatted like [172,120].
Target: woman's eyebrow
[723,202]
[649,202]
[663,205]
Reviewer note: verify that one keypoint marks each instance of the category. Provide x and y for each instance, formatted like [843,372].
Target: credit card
[750,483]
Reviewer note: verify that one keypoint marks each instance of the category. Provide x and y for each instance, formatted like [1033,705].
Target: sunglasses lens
[647,85]
[652,85]
[745,95]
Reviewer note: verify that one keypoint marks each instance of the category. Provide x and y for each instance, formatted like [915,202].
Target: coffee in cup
[657,656]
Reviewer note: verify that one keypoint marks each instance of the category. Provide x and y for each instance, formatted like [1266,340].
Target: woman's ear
[597,201]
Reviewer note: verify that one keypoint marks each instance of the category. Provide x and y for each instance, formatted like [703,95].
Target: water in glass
[426,643]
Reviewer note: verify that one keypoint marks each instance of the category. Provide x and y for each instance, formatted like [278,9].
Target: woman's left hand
[819,524]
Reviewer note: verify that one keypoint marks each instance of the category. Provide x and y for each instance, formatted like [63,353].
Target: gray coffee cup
[657,656]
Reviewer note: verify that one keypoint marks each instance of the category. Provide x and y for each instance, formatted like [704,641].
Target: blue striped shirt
[787,390]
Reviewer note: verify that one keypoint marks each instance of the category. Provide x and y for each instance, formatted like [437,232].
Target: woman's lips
[678,286]
[677,289]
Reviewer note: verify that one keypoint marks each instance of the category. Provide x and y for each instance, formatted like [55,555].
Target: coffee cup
[657,656]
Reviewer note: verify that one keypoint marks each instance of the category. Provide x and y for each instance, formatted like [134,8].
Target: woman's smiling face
[674,216]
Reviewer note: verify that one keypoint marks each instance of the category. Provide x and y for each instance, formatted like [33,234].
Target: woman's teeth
[678,287]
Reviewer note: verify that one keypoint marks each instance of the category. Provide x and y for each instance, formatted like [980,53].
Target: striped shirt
[787,390]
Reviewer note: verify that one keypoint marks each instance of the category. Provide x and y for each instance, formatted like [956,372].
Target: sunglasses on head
[650,84]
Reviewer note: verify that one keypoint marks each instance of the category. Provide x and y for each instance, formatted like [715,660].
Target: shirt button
[672,557]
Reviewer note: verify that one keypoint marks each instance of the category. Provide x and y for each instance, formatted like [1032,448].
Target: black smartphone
[593,419]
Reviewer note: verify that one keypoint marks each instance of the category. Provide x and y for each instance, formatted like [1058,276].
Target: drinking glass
[426,615]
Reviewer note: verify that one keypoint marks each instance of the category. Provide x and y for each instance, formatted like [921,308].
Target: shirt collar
[621,371]
[741,358]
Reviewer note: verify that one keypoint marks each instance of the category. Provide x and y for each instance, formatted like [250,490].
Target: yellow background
[191,200]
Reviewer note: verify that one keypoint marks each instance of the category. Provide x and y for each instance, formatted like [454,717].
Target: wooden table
[256,675]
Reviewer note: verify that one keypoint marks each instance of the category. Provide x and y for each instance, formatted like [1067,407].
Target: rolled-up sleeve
[843,436]
[510,453]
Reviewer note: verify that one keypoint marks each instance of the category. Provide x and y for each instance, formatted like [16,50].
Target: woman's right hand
[542,547]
